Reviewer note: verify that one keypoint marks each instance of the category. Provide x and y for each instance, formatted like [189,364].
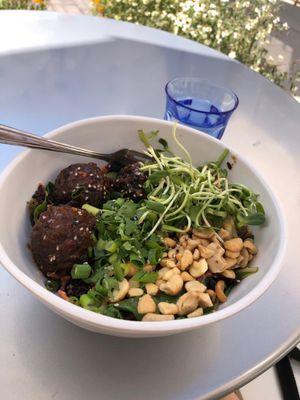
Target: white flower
[224,34]
[232,54]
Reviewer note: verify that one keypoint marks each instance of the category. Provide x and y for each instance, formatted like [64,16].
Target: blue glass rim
[209,83]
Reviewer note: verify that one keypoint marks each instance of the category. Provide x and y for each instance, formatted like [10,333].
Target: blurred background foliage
[238,28]
[22,4]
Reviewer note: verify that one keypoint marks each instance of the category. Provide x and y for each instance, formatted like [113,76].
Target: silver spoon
[117,160]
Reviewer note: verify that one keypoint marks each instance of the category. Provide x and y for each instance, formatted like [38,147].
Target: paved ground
[70,6]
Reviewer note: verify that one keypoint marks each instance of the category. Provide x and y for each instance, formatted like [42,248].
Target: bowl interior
[107,135]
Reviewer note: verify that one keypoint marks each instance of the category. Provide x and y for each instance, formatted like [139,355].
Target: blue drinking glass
[200,105]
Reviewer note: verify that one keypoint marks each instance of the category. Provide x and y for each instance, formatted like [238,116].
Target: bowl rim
[92,319]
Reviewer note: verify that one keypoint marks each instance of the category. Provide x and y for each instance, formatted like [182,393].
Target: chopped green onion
[111,246]
[81,271]
[86,301]
[91,209]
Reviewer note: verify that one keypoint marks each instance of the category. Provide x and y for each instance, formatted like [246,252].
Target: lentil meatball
[82,183]
[61,237]
[130,181]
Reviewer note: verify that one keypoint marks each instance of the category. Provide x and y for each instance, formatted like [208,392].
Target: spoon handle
[16,137]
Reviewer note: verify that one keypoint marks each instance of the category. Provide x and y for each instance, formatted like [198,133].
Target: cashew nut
[224,234]
[217,263]
[204,242]
[169,242]
[167,308]
[195,286]
[196,254]
[186,260]
[134,292]
[229,225]
[187,303]
[151,288]
[192,244]
[120,293]
[183,238]
[172,254]
[197,313]
[132,269]
[170,273]
[146,305]
[198,268]
[148,268]
[203,233]
[178,256]
[150,317]
[232,254]
[204,300]
[163,262]
[162,272]
[219,289]
[234,245]
[245,255]
[170,264]
[250,246]
[173,285]
[186,276]
[230,262]
[211,294]
[205,252]
[216,248]
[228,273]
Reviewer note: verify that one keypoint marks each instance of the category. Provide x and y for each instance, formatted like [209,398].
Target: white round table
[59,68]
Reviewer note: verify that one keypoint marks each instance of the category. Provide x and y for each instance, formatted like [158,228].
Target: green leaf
[145,277]
[52,285]
[43,206]
[153,257]
[129,305]
[111,311]
[164,143]
[167,298]
[127,246]
[128,209]
[39,209]
[156,176]
[251,219]
[130,226]
[155,206]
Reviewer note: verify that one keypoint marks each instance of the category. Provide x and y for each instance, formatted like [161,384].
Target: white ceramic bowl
[107,134]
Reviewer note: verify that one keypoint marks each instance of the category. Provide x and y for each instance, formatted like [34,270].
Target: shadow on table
[96,366]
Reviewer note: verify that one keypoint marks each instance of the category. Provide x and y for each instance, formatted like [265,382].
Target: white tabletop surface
[59,68]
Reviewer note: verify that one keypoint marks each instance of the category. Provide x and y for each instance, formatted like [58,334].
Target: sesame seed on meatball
[61,237]
[82,183]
